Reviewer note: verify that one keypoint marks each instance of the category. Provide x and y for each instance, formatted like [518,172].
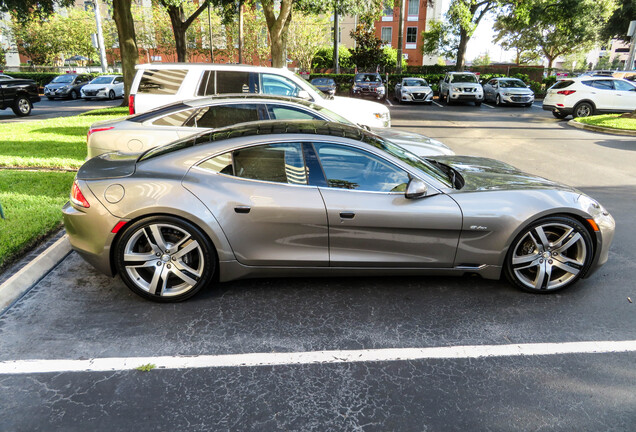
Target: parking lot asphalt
[57,108]
[75,313]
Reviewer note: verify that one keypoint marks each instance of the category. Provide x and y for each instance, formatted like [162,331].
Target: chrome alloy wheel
[550,255]
[163,259]
[24,106]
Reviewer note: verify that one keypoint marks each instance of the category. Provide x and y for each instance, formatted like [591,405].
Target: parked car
[508,91]
[413,90]
[326,85]
[292,198]
[18,94]
[586,96]
[66,86]
[368,85]
[141,132]
[161,84]
[104,86]
[461,87]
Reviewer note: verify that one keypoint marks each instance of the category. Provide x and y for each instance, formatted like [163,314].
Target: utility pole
[398,66]
[631,32]
[336,37]
[100,36]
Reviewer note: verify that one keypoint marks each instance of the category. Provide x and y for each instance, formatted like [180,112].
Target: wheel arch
[584,101]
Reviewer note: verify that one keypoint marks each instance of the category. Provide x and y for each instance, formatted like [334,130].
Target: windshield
[322,81]
[463,78]
[368,78]
[415,83]
[102,80]
[63,79]
[511,84]
[331,115]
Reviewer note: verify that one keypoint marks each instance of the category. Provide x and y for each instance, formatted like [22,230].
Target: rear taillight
[131,104]
[77,197]
[566,92]
[91,131]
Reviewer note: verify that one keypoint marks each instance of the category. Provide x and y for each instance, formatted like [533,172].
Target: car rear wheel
[22,106]
[165,259]
[549,255]
[583,109]
[559,114]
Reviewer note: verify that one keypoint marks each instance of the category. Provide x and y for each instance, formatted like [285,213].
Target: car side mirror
[303,94]
[416,189]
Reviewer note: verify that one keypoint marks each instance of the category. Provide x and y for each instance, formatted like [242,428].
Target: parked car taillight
[92,131]
[77,197]
[566,92]
[131,104]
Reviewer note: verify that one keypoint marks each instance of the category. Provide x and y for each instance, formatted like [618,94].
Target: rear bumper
[562,110]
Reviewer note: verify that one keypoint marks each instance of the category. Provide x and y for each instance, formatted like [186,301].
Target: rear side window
[562,84]
[161,81]
[224,82]
[175,119]
[223,115]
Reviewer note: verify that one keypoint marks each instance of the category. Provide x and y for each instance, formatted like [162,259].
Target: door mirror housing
[303,94]
[416,188]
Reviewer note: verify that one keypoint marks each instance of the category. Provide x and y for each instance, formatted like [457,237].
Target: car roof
[213,66]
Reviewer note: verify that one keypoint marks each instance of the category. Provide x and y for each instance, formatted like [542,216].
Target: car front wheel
[164,259]
[549,255]
[583,109]
[111,95]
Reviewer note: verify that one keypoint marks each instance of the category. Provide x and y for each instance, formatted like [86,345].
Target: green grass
[31,201]
[146,368]
[58,143]
[610,120]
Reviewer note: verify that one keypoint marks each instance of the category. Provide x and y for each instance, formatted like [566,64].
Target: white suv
[585,96]
[461,87]
[161,84]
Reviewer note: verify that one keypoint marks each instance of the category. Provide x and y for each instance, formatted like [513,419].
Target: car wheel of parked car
[111,95]
[22,106]
[498,100]
[583,109]
[477,103]
[448,98]
[559,115]
[528,105]
[164,258]
[549,255]
[73,94]
[50,98]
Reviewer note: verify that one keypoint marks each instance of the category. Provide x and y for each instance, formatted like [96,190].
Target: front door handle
[242,209]
[347,215]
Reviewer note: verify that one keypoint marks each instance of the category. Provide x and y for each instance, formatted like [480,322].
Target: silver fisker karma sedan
[140,132]
[315,198]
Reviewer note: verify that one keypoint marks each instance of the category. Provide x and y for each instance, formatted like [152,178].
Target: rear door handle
[242,209]
[347,215]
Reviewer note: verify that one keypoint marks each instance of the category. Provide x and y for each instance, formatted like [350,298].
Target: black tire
[566,244]
[583,109]
[528,105]
[498,100]
[88,99]
[559,115]
[173,275]
[22,106]
[73,95]
[448,98]
[50,98]
[111,95]
[477,103]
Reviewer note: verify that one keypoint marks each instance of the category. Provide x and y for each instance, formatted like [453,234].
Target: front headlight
[506,94]
[101,89]
[455,88]
[592,206]
[65,88]
[355,87]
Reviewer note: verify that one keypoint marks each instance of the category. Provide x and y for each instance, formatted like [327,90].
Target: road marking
[14,367]
[537,106]
[492,107]
[438,104]
[389,102]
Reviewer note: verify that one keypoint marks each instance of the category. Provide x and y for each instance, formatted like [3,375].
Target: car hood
[95,86]
[517,91]
[467,85]
[417,89]
[481,174]
[57,85]
[417,144]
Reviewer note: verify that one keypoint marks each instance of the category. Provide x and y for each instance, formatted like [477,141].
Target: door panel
[389,230]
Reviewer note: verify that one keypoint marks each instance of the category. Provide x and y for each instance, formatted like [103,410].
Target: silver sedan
[508,91]
[140,132]
[413,90]
[320,198]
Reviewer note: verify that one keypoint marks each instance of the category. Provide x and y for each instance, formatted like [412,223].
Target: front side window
[411,35]
[279,163]
[218,116]
[279,85]
[355,169]
[161,81]
[623,86]
[118,80]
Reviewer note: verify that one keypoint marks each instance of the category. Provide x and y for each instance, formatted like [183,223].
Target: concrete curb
[21,282]
[602,129]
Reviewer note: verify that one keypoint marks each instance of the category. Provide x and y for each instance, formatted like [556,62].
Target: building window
[414,7]
[387,35]
[411,34]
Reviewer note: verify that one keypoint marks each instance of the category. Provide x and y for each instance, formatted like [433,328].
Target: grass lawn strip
[52,143]
[31,201]
[609,120]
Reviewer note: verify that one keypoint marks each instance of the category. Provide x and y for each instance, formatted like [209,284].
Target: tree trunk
[336,35]
[398,66]
[277,27]
[127,43]
[460,64]
[176,18]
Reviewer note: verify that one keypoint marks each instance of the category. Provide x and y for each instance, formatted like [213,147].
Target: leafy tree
[391,59]
[306,35]
[452,36]
[482,60]
[24,10]
[607,64]
[558,27]
[323,58]
[519,40]
[3,56]
[368,54]
[618,22]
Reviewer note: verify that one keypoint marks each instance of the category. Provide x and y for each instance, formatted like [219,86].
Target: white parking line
[492,107]
[13,367]
[389,102]
[438,104]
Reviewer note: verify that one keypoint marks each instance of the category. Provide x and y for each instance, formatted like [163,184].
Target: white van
[164,83]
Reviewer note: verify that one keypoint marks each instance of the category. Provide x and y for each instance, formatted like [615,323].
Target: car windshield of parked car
[313,87]
[102,80]
[63,79]
[322,81]
[373,78]
[415,83]
[512,84]
[463,78]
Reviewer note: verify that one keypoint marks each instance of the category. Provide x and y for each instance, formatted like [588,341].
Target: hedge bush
[42,78]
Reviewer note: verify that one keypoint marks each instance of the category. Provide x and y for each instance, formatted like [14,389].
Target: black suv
[368,84]
[18,94]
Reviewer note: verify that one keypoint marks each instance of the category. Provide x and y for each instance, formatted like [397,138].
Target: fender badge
[478,227]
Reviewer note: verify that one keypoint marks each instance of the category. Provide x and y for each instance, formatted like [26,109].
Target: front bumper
[604,237]
[94,94]
[417,97]
[368,92]
[517,99]
[57,92]
[465,96]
